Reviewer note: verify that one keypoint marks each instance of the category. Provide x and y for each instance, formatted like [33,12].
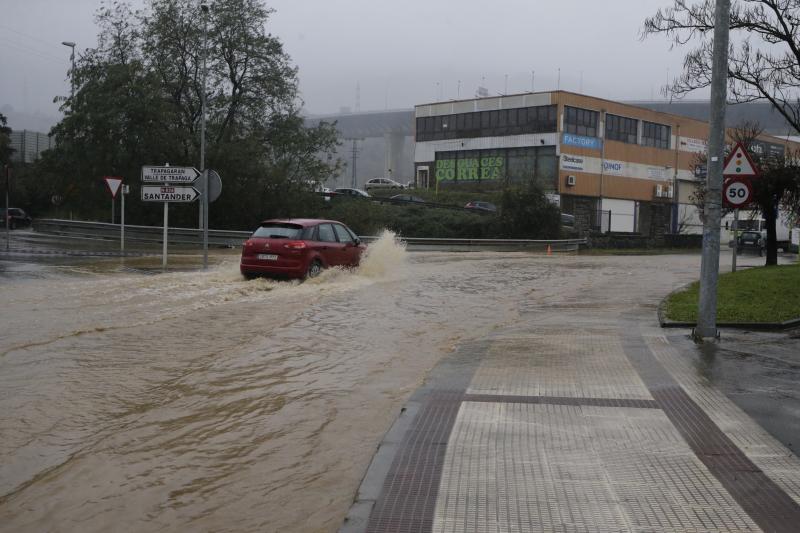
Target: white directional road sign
[169,193]
[169,174]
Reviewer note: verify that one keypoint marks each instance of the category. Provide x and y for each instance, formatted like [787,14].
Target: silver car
[383,183]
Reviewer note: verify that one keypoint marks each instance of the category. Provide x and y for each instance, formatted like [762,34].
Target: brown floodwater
[133,399]
[192,400]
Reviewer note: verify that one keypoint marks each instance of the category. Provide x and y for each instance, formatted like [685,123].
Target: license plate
[267,257]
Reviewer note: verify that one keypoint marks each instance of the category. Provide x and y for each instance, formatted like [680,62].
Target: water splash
[385,258]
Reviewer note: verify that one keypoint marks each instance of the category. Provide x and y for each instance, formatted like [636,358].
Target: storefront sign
[445,170]
[592,143]
[655,173]
[700,171]
[488,168]
[614,168]
[688,144]
[572,162]
[767,150]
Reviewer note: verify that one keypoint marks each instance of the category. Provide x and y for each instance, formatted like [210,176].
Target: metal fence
[194,237]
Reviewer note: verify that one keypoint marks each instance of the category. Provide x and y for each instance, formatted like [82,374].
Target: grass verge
[764,294]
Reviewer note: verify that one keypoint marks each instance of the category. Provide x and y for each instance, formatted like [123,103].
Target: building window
[580,121]
[541,119]
[656,135]
[622,129]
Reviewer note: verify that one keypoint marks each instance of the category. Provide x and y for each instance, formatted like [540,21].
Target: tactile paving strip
[542,467]
[408,497]
[517,459]
[763,500]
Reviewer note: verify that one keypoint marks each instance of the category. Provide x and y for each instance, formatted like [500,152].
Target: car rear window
[280,231]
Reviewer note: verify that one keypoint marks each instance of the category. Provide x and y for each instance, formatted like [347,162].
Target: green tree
[138,101]
[5,141]
[525,213]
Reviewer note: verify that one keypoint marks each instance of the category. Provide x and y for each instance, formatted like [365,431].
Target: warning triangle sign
[113,185]
[739,163]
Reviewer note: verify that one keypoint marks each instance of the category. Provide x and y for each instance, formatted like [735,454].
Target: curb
[764,326]
[761,326]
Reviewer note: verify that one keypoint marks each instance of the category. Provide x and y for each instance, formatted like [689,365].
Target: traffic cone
[549,250]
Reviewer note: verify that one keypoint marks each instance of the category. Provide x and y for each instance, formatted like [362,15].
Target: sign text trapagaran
[152,174]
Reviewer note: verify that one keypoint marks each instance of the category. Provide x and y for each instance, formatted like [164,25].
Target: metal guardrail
[192,236]
[141,234]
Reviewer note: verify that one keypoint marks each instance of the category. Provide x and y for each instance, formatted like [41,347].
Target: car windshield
[279,231]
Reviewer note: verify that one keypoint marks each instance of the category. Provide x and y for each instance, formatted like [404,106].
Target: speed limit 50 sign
[737,193]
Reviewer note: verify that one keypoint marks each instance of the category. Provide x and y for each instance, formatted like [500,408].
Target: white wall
[623,214]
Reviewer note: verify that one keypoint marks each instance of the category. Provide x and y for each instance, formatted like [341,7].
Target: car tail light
[295,245]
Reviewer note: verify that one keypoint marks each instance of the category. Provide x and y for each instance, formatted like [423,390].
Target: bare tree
[764,60]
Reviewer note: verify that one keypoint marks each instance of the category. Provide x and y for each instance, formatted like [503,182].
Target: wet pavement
[584,416]
[137,400]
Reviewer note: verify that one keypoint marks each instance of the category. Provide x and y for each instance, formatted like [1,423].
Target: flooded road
[199,401]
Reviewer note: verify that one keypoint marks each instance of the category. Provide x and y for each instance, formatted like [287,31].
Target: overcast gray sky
[400,52]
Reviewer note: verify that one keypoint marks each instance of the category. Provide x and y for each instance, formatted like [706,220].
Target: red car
[299,248]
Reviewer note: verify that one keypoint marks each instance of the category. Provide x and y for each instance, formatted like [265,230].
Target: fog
[376,54]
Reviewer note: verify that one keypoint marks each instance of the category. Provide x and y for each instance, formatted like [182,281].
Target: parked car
[383,183]
[481,206]
[17,218]
[407,198]
[751,241]
[299,248]
[357,193]
[568,220]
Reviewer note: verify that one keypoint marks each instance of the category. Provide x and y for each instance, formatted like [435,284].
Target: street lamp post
[71,45]
[204,8]
[709,264]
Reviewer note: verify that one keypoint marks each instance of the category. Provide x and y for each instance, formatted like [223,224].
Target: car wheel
[314,269]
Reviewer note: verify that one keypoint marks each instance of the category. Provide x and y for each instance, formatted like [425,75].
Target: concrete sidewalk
[602,425]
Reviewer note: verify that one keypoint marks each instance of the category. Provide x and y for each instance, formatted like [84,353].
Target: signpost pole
[122,220]
[113,215]
[164,245]
[735,239]
[8,218]
[205,219]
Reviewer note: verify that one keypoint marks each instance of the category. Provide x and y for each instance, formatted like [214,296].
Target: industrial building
[29,145]
[614,166]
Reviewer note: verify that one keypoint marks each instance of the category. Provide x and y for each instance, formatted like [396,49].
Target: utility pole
[709,267]
[355,160]
[203,173]
[71,45]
